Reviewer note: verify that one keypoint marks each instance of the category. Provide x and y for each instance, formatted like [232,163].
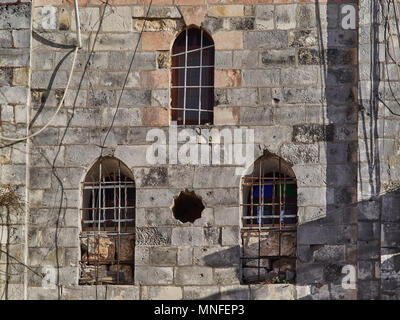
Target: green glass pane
[290,190]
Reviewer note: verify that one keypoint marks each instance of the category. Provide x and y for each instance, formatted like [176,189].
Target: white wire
[58,108]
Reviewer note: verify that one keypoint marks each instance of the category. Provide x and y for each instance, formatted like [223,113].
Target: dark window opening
[108,224]
[269,223]
[187,207]
[192,91]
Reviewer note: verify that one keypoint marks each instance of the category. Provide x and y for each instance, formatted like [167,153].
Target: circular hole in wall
[187,207]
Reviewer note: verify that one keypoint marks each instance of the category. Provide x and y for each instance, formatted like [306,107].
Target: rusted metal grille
[108,225]
[269,224]
[192,91]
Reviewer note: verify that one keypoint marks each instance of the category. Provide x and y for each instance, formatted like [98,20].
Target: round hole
[187,207]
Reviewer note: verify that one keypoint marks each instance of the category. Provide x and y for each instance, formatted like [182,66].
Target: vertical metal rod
[185,79]
[78,24]
[93,210]
[115,202]
[126,204]
[98,218]
[259,224]
[280,216]
[119,220]
[201,71]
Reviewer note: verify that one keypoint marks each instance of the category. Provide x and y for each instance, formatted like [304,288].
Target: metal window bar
[111,205]
[193,50]
[201,109]
[268,223]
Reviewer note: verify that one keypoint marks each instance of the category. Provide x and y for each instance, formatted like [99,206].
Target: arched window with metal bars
[108,224]
[192,90]
[269,222]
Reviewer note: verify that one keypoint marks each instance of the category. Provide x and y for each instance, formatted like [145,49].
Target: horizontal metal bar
[90,233]
[113,186]
[271,216]
[267,257]
[186,109]
[286,179]
[109,208]
[266,204]
[193,67]
[107,220]
[106,261]
[192,87]
[108,182]
[193,50]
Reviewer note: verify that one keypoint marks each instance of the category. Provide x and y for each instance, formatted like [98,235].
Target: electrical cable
[126,79]
[58,108]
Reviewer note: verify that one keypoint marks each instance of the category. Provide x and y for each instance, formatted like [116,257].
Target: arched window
[108,224]
[269,222]
[192,90]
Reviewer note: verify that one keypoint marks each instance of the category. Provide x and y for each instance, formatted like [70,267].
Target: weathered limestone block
[193,275]
[187,236]
[147,275]
[162,293]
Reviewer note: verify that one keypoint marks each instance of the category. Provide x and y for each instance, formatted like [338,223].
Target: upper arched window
[108,224]
[269,222]
[192,90]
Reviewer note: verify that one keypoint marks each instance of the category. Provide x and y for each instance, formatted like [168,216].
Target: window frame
[268,231]
[209,70]
[101,222]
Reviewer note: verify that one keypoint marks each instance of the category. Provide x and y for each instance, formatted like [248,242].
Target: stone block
[135,98]
[160,217]
[22,38]
[256,116]
[223,59]
[116,292]
[228,40]
[163,256]
[89,19]
[227,276]
[185,256]
[162,293]
[242,97]
[266,39]
[156,116]
[152,236]
[244,59]
[273,292]
[261,78]
[230,236]
[5,39]
[227,216]
[217,256]
[147,275]
[15,16]
[227,78]
[286,17]
[264,17]
[235,292]
[226,11]
[193,275]
[200,292]
[187,236]
[117,19]
[152,41]
[115,41]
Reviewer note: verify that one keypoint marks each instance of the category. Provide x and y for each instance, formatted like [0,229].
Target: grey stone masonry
[317,93]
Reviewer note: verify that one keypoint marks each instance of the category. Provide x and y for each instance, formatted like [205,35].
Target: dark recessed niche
[187,207]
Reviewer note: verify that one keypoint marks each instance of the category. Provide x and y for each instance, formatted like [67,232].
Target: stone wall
[269,76]
[378,132]
[15,61]
[286,69]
